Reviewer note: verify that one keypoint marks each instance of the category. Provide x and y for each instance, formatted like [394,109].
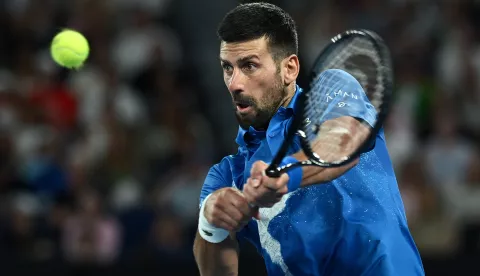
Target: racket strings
[336,142]
[342,58]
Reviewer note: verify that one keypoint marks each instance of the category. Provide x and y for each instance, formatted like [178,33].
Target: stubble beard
[263,110]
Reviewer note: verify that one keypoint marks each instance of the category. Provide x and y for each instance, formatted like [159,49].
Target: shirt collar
[256,133]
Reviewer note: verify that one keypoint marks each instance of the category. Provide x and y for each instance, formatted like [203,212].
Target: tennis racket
[364,55]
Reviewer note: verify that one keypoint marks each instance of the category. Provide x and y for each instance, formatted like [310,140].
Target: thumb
[256,181]
[258,167]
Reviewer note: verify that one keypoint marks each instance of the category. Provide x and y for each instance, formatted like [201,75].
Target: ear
[291,68]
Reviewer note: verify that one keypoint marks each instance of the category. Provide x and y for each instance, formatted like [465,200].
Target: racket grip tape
[207,231]
[295,175]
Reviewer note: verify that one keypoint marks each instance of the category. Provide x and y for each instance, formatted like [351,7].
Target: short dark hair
[255,20]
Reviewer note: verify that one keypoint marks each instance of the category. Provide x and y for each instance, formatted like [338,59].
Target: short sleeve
[343,95]
[219,176]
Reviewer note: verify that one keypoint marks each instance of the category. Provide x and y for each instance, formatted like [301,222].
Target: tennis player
[337,221]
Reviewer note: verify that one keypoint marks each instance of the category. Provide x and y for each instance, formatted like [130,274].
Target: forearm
[318,175]
[330,145]
[216,258]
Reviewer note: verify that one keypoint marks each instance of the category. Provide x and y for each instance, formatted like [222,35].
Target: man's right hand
[227,208]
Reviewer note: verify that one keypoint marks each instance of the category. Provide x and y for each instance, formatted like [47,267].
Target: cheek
[226,79]
[262,91]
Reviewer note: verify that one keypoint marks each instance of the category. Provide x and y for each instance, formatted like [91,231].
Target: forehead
[235,50]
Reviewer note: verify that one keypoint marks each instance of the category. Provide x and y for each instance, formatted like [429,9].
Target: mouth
[243,107]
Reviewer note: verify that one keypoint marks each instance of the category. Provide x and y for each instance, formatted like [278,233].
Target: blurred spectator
[20,240]
[181,192]
[448,154]
[463,202]
[434,230]
[89,235]
[104,165]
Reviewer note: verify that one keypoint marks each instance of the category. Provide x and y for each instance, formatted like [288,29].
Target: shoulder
[228,163]
[220,169]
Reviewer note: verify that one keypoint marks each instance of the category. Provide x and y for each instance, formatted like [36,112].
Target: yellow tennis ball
[69,49]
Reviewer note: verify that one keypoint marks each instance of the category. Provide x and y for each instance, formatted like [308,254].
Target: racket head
[363,55]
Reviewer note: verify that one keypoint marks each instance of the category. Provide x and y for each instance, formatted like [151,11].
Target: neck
[290,93]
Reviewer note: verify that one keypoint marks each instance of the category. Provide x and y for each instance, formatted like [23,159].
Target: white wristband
[207,231]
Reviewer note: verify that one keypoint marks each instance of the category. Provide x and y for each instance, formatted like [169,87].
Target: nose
[236,82]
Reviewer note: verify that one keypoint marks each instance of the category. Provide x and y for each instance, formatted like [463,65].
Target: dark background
[101,168]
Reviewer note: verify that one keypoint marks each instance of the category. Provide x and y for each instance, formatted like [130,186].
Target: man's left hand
[262,190]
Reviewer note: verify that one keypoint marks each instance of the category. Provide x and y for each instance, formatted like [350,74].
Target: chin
[245,120]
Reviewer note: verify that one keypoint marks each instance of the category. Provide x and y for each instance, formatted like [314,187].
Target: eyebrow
[242,59]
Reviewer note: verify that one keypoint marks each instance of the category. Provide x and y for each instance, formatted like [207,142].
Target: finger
[242,203]
[222,219]
[282,184]
[258,168]
[255,182]
[265,197]
[252,195]
[249,193]
[269,183]
[228,204]
[251,209]
[235,211]
[241,206]
[276,184]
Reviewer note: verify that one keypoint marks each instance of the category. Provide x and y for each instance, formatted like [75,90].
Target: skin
[258,85]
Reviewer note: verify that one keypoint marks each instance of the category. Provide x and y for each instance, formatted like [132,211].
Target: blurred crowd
[105,164]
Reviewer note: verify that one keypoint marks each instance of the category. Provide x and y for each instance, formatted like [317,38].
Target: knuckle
[240,201]
[215,205]
[231,193]
[224,192]
[214,214]
[236,216]
[235,202]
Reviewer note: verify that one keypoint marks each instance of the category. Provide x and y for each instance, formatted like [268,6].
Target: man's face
[254,81]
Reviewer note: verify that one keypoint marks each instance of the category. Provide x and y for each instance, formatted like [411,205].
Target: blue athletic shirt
[353,225]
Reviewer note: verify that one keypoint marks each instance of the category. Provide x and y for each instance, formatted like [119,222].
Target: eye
[250,66]
[227,68]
